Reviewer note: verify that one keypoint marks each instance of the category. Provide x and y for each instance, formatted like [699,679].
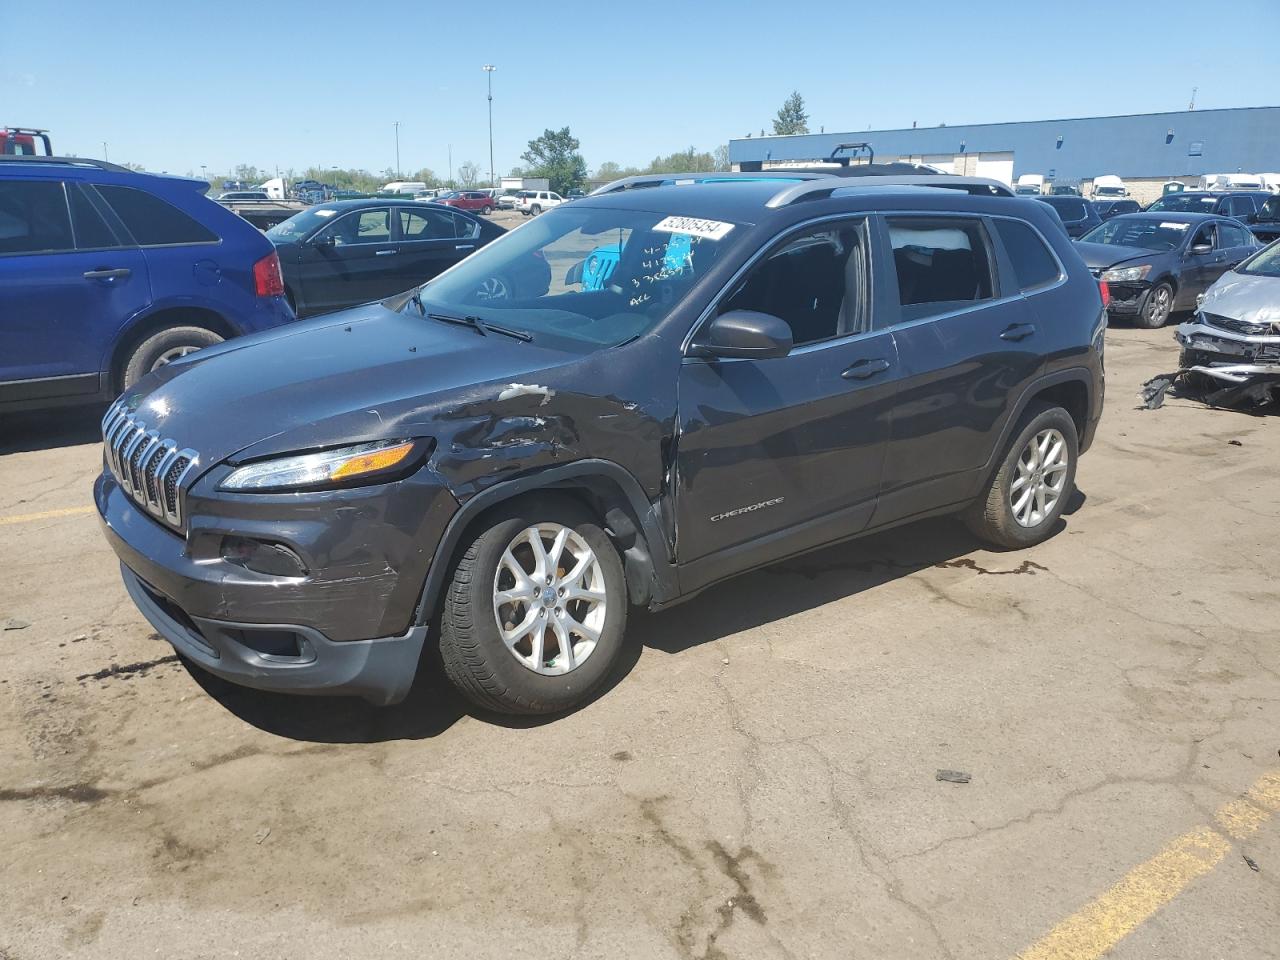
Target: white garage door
[996,166]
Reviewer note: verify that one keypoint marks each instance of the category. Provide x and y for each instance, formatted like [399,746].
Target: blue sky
[174,85]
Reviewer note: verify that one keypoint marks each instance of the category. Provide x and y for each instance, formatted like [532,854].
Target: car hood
[1104,255]
[1241,297]
[367,373]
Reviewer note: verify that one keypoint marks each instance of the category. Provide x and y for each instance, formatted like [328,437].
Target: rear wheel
[534,616]
[1157,304]
[1032,484]
[163,347]
[535,209]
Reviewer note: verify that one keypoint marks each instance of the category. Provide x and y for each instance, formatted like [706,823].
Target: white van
[404,186]
[1109,187]
[1230,181]
[1270,181]
[1029,185]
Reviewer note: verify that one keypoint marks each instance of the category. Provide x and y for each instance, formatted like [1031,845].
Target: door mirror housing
[325,242]
[744,334]
[1200,249]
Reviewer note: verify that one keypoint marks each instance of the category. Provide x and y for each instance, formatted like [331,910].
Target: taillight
[268,281]
[1105,291]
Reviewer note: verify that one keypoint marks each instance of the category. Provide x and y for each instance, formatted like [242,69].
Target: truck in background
[1029,185]
[24,141]
[1109,187]
[1230,181]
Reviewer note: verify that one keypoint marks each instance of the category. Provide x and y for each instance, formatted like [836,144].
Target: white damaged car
[1233,342]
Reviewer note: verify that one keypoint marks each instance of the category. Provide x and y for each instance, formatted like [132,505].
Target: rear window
[152,221]
[1034,264]
[1069,208]
[33,217]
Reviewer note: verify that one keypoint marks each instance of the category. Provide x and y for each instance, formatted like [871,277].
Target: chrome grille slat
[151,469]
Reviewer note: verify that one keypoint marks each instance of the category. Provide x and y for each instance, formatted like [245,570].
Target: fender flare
[652,559]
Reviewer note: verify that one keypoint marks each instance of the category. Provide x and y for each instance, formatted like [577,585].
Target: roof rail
[658,179]
[65,161]
[825,186]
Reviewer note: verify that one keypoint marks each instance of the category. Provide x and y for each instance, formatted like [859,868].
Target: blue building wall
[1143,145]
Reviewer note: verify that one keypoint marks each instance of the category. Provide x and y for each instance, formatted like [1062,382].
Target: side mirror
[324,243]
[1200,249]
[574,274]
[1251,218]
[745,334]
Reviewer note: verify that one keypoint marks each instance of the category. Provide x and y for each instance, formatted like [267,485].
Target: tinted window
[33,217]
[1239,206]
[92,232]
[153,221]
[1149,233]
[1230,235]
[426,225]
[1069,208]
[1185,203]
[1033,263]
[816,283]
[941,264]
[366,226]
[1205,235]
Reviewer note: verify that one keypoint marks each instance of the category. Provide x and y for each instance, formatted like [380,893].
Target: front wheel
[1031,487]
[533,619]
[487,211]
[1157,304]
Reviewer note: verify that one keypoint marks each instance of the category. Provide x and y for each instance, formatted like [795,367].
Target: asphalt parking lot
[761,782]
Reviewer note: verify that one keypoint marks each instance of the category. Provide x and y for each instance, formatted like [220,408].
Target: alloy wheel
[492,288]
[1040,479]
[174,353]
[549,598]
[1158,304]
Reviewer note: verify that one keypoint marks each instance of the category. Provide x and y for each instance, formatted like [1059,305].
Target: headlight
[362,462]
[1126,274]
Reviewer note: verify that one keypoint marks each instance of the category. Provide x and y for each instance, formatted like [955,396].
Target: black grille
[1245,327]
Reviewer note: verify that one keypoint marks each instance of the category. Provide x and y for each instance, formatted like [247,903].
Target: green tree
[791,117]
[555,155]
[613,171]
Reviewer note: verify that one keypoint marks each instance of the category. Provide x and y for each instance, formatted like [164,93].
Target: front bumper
[1126,298]
[347,625]
[1233,358]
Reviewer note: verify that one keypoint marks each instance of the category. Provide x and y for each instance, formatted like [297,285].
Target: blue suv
[107,274]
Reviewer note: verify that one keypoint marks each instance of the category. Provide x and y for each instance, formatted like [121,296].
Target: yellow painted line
[1097,927]
[46,515]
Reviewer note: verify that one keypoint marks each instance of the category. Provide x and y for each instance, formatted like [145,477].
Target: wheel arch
[606,489]
[1071,389]
[151,323]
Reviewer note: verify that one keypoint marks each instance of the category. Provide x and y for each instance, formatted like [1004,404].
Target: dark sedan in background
[1151,264]
[1077,214]
[340,254]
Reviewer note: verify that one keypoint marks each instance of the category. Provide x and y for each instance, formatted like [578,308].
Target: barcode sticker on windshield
[1174,226]
[694,227]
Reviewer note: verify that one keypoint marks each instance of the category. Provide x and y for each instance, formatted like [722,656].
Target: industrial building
[1145,150]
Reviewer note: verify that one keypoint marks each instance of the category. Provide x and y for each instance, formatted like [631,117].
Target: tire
[535,210]
[992,517]
[487,211]
[163,346]
[500,674]
[1157,304]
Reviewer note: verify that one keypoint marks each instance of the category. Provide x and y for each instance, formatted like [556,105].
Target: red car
[467,200]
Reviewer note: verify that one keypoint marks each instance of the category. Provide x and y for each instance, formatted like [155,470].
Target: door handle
[107,273]
[384,253]
[864,369]
[1018,331]
[465,246]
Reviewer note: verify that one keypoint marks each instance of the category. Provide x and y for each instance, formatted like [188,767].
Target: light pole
[397,126]
[488,69]
[104,151]
[203,174]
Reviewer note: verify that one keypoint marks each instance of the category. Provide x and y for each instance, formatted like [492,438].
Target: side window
[1231,235]
[1205,236]
[465,229]
[92,232]
[1033,263]
[942,264]
[426,225]
[33,217]
[152,221]
[366,226]
[817,282]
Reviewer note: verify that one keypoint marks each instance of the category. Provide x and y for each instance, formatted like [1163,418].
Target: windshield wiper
[482,327]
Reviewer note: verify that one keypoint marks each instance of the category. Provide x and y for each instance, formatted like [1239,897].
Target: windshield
[302,224]
[1108,191]
[1185,203]
[1264,263]
[582,278]
[1149,233]
[448,195]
